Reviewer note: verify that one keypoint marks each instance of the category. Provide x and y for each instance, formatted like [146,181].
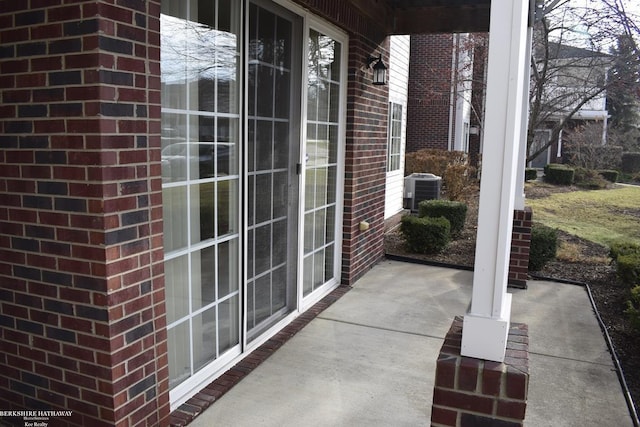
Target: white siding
[398,81]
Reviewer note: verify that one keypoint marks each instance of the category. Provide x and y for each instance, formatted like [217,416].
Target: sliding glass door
[323,147]
[252,140]
[200,173]
[273,116]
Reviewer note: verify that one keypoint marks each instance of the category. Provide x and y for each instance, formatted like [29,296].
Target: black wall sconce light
[379,70]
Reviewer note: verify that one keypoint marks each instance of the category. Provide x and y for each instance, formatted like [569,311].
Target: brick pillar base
[520,245]
[470,392]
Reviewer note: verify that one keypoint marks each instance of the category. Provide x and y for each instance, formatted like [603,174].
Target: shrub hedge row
[425,234]
[558,174]
[544,245]
[455,212]
[610,175]
[630,162]
[530,174]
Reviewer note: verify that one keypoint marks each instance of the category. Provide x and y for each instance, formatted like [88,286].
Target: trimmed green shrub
[558,174]
[589,179]
[425,235]
[623,247]
[631,162]
[455,212]
[633,308]
[530,174]
[628,269]
[609,175]
[544,244]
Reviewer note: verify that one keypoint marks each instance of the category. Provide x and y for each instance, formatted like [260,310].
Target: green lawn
[600,216]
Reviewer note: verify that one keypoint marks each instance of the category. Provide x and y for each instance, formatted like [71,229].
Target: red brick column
[520,245]
[471,392]
[366,161]
[81,259]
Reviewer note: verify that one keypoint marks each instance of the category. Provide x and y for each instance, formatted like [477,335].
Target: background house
[447,81]
[573,94]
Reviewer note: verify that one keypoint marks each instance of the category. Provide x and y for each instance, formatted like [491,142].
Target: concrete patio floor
[369,359]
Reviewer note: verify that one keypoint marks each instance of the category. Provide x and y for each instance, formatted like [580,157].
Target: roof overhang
[428,16]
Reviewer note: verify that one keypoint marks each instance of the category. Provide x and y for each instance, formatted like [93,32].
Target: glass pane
[318,269]
[227,207]
[280,145]
[174,147]
[204,338]
[263,198]
[265,36]
[174,213]
[262,249]
[251,180]
[333,143]
[279,243]
[264,145]
[322,145]
[309,228]
[251,135]
[335,63]
[226,13]
[173,67]
[227,268]
[310,184]
[308,275]
[203,278]
[202,212]
[312,96]
[250,253]
[282,85]
[323,101]
[252,86]
[321,187]
[176,276]
[264,93]
[332,183]
[283,43]
[319,229]
[228,328]
[226,147]
[178,348]
[330,235]
[279,297]
[329,262]
[280,194]
[263,298]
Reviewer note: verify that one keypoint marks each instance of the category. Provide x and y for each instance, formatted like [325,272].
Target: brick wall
[429,104]
[82,304]
[365,164]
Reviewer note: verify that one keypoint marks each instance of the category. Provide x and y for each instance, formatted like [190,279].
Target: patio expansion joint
[380,328]
[572,359]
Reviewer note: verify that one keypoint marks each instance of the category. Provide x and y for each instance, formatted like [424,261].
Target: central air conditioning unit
[419,187]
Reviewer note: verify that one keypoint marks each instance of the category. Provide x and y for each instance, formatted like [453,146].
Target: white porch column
[519,202]
[486,324]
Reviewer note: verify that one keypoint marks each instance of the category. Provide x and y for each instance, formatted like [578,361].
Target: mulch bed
[608,294]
